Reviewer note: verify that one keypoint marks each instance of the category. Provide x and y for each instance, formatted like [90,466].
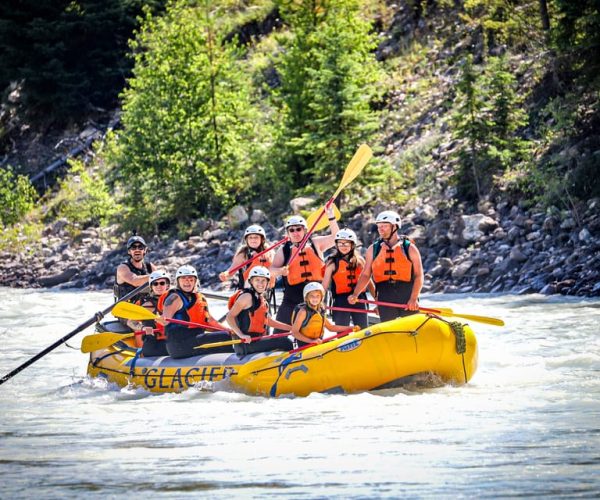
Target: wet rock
[56,279]
[549,289]
[237,216]
[517,255]
[584,235]
[462,269]
[258,217]
[568,223]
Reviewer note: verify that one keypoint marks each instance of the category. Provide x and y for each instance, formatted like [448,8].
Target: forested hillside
[465,103]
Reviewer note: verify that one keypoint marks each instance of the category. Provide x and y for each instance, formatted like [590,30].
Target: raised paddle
[97,317]
[311,219]
[132,311]
[239,341]
[441,312]
[357,163]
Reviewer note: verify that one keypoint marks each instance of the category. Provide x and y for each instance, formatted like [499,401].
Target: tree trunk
[544,15]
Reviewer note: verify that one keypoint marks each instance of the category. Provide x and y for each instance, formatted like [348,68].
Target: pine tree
[188,119]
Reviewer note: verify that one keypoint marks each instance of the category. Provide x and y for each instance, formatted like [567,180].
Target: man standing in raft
[306,267]
[394,262]
[135,270]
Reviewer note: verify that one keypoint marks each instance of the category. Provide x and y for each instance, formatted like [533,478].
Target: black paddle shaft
[97,317]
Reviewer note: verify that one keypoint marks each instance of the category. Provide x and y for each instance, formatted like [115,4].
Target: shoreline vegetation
[483,116]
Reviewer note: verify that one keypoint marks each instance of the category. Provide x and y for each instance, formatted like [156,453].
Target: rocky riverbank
[502,248]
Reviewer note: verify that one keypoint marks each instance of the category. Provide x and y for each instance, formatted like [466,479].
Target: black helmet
[135,239]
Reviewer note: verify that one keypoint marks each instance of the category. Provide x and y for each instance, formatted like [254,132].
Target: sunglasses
[160,283]
[344,243]
[137,247]
[295,229]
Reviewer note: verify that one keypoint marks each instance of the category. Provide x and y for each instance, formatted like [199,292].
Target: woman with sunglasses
[135,270]
[150,334]
[308,266]
[341,275]
[255,241]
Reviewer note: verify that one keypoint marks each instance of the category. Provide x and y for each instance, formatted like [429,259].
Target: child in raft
[308,318]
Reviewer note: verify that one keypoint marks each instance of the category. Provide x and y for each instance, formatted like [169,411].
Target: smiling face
[344,246]
[137,252]
[314,298]
[259,283]
[187,283]
[253,241]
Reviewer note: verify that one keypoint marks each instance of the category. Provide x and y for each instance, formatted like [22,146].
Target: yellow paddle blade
[357,163]
[98,341]
[219,344]
[444,311]
[128,310]
[479,319]
[323,222]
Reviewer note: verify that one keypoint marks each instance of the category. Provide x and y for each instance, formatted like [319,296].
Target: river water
[528,424]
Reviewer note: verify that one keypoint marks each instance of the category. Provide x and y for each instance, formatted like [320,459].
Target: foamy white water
[528,424]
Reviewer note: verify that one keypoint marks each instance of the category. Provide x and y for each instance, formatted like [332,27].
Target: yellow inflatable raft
[383,355]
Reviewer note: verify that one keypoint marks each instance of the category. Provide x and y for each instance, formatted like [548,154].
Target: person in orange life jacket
[309,319]
[152,343]
[135,270]
[306,267]
[249,317]
[255,241]
[394,262]
[185,303]
[341,275]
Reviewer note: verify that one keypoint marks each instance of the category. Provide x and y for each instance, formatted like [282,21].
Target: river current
[528,423]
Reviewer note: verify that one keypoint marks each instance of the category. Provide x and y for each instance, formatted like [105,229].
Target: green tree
[487,120]
[17,196]
[68,55]
[329,80]
[191,131]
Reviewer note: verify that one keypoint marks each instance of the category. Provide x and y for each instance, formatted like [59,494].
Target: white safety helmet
[296,220]
[311,287]
[346,234]
[158,274]
[255,229]
[186,271]
[259,272]
[389,216]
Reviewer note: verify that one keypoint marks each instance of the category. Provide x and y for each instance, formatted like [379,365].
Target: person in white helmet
[186,303]
[306,267]
[150,334]
[255,241]
[249,318]
[342,270]
[394,263]
[135,270]
[309,320]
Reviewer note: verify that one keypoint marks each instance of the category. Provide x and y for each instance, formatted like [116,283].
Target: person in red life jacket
[187,304]
[255,241]
[308,319]
[150,334]
[306,267]
[394,262]
[249,318]
[135,270]
[341,276]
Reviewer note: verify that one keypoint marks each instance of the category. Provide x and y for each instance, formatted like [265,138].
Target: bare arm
[124,275]
[172,304]
[332,327]
[328,273]
[277,268]
[278,324]
[364,278]
[243,302]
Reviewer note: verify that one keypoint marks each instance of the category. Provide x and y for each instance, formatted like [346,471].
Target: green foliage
[69,54]
[83,199]
[577,33]
[328,82]
[17,197]
[486,121]
[191,131]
